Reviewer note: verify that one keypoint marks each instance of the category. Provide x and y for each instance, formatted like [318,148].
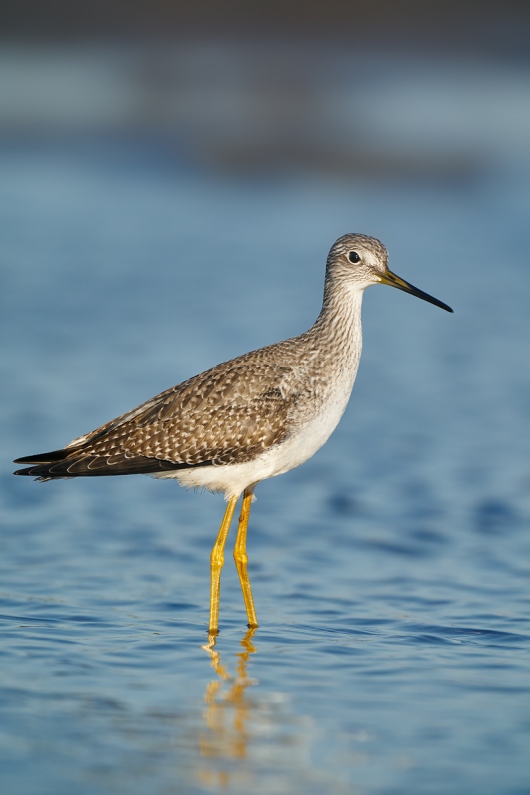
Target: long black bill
[395,281]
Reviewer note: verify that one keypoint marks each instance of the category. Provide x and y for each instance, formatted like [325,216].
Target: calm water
[391,572]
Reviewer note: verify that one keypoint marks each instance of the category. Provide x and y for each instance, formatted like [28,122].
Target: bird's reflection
[227,712]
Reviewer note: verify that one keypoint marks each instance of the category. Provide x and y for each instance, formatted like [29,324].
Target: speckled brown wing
[229,414]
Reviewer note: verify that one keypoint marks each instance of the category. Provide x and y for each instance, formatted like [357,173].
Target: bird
[251,418]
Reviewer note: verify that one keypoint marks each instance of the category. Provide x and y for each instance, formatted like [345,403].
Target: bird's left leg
[241,559]
[216,564]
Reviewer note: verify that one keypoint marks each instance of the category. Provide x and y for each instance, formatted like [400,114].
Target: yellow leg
[241,559]
[217,559]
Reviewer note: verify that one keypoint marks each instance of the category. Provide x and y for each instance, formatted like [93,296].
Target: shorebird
[248,419]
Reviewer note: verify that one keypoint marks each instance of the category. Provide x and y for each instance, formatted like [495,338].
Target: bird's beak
[395,281]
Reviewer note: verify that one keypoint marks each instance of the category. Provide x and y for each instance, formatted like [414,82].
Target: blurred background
[436,90]
[172,177]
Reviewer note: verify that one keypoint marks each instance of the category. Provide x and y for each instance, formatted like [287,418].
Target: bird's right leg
[241,559]
[217,559]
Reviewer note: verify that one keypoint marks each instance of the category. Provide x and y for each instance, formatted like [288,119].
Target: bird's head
[362,261]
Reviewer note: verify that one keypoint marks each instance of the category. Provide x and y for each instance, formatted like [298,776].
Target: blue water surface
[390,572]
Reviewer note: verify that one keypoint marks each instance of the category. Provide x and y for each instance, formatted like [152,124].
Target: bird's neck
[339,321]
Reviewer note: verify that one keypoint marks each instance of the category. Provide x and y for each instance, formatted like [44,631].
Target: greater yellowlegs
[245,420]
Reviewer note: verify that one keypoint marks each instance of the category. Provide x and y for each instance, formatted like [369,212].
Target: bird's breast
[313,419]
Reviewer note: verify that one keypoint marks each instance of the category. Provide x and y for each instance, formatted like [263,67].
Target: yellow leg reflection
[241,559]
[249,740]
[228,710]
[217,559]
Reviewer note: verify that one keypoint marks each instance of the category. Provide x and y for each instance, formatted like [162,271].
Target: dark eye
[354,257]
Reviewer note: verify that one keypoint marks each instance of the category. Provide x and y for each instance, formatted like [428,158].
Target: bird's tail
[75,462]
[42,464]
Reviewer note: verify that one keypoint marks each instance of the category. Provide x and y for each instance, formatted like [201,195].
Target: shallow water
[390,573]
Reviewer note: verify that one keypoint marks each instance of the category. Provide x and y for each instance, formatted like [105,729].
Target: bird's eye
[354,257]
